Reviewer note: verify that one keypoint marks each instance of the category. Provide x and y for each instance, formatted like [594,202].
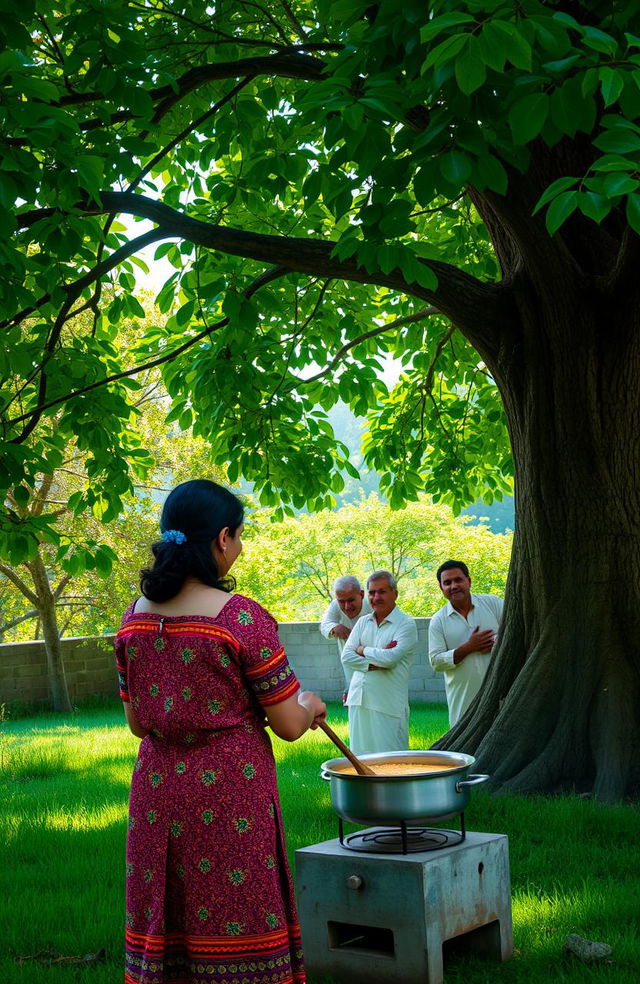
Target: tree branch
[42,496]
[625,271]
[37,411]
[6,626]
[64,580]
[459,296]
[398,323]
[17,581]
[27,219]
[288,64]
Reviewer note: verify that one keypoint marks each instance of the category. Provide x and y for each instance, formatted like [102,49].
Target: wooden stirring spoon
[360,767]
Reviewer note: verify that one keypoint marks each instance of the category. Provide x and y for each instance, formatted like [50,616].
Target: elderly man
[462,635]
[348,605]
[379,652]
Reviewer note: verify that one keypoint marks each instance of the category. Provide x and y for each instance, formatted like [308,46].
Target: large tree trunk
[560,705]
[58,690]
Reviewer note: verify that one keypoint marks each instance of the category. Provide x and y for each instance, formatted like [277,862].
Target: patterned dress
[209,894]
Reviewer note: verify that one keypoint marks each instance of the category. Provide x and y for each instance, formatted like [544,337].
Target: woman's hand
[292,717]
[315,705]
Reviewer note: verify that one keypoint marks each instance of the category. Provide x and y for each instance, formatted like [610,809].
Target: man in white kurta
[380,651]
[348,605]
[461,636]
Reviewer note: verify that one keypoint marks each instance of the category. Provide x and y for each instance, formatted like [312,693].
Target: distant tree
[69,570]
[290,565]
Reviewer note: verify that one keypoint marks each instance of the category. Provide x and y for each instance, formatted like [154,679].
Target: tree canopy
[270,181]
[452,183]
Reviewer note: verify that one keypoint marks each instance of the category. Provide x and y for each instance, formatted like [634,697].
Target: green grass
[64,785]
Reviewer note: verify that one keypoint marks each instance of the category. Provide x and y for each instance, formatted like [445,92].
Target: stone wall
[88,664]
[90,667]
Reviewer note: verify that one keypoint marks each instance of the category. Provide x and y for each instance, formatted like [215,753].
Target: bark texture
[560,706]
[46,604]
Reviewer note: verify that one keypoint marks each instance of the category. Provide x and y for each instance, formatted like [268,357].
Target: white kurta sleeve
[440,656]
[330,619]
[349,656]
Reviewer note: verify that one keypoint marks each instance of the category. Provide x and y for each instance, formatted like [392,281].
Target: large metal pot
[416,798]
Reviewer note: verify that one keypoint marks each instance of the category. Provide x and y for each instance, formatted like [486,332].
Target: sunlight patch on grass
[16,825]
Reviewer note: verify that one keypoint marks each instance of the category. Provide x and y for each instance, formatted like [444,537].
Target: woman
[202,671]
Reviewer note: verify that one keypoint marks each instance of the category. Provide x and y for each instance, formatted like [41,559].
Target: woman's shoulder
[129,611]
[247,603]
[246,610]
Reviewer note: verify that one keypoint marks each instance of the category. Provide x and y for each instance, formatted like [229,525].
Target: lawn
[64,784]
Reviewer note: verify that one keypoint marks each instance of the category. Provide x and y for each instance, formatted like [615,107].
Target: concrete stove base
[389,918]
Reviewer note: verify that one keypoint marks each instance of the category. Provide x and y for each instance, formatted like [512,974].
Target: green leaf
[21,495]
[619,184]
[455,167]
[561,184]
[571,110]
[527,117]
[618,141]
[442,23]
[425,181]
[569,21]
[613,162]
[633,212]
[185,313]
[560,65]
[594,206]
[91,173]
[560,209]
[492,47]
[135,308]
[517,49]
[37,88]
[611,84]
[445,51]
[470,69]
[598,40]
[490,173]
[387,257]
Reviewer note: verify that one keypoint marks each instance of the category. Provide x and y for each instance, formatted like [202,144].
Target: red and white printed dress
[209,893]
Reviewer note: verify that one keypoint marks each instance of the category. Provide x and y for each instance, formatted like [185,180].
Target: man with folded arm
[379,653]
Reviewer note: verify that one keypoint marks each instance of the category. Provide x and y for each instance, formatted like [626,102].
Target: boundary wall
[90,668]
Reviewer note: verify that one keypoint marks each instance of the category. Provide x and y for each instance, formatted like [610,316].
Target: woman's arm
[132,721]
[290,718]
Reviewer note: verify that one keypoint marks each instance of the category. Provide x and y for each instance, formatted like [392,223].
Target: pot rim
[462,760]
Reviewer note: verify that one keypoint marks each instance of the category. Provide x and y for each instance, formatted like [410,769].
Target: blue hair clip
[173,536]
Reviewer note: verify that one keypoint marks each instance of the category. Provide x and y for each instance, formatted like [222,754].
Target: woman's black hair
[199,509]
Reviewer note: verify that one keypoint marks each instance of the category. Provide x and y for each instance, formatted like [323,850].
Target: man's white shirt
[335,616]
[386,690]
[448,629]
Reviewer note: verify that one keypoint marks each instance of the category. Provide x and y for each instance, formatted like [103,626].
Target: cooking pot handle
[327,775]
[471,781]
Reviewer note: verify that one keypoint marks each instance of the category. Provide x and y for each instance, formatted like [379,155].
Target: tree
[71,551]
[455,183]
[290,566]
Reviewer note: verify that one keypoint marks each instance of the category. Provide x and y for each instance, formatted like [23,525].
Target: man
[379,652]
[348,605]
[462,635]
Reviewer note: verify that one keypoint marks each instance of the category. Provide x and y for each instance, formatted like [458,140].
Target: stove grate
[401,839]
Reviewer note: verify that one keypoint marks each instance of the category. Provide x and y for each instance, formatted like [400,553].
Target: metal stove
[393,904]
